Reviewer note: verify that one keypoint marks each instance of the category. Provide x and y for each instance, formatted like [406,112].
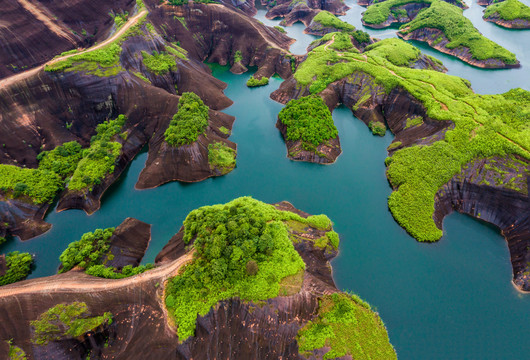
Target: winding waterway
[449,300]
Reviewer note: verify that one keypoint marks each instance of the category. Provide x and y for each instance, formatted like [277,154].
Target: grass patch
[224,130]
[413,121]
[328,20]
[189,122]
[292,284]
[15,353]
[308,119]
[66,320]
[377,128]
[348,326]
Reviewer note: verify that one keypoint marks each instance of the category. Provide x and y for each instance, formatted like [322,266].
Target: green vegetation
[394,145]
[379,12]
[398,52]
[484,126]
[92,252]
[100,158]
[88,251]
[413,121]
[18,267]
[238,57]
[508,10]
[15,353]
[39,185]
[309,120]
[177,51]
[62,160]
[221,157]
[459,30]
[224,130]
[100,62]
[377,128]
[328,20]
[62,321]
[159,63]
[348,326]
[253,82]
[242,249]
[120,19]
[189,122]
[280,29]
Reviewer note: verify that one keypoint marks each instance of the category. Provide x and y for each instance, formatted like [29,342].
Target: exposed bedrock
[47,109]
[430,36]
[33,32]
[304,11]
[128,243]
[215,33]
[140,330]
[510,24]
[509,210]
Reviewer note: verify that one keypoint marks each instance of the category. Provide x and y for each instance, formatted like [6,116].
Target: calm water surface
[449,300]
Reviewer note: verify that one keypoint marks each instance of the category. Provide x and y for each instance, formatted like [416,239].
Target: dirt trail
[49,22]
[86,283]
[131,22]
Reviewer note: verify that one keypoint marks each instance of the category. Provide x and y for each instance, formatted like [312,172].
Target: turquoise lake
[449,300]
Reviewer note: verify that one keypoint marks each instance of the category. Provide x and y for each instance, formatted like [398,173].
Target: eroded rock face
[33,32]
[510,24]
[129,243]
[474,192]
[304,11]
[3,265]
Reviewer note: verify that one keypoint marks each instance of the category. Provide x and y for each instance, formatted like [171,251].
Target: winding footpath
[64,283]
[23,75]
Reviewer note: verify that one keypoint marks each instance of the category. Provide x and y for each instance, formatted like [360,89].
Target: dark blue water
[449,300]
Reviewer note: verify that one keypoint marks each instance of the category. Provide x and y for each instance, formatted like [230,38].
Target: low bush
[159,63]
[221,157]
[253,82]
[508,10]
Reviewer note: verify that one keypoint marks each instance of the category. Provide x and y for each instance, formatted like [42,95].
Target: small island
[511,14]
[309,132]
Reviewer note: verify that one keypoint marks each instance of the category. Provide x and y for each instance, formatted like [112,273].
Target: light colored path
[87,284]
[23,75]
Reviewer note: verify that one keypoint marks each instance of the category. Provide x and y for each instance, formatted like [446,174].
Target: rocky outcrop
[305,10]
[128,243]
[478,192]
[187,163]
[510,24]
[33,32]
[325,153]
[22,218]
[3,265]
[432,36]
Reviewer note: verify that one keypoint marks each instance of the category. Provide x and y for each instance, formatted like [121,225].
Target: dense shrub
[189,122]
[113,273]
[66,321]
[328,20]
[62,160]
[308,119]
[242,249]
[377,128]
[348,327]
[39,185]
[18,267]
[253,82]
[88,251]
[100,158]
[221,157]
[159,63]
